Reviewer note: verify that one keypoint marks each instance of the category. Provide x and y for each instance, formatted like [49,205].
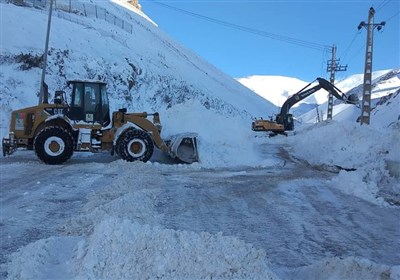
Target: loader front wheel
[54,145]
[135,145]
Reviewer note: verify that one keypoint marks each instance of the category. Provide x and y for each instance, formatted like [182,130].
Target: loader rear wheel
[135,145]
[54,145]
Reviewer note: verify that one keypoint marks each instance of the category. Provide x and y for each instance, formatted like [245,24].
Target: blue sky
[324,22]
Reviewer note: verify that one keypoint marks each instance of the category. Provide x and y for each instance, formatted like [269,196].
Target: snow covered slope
[145,70]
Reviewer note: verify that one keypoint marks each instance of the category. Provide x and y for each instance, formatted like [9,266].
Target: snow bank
[361,150]
[346,144]
[122,249]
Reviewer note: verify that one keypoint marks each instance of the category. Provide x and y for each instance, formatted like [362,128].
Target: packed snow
[320,203]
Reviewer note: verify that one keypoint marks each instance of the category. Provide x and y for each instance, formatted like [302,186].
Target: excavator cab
[286,120]
[89,102]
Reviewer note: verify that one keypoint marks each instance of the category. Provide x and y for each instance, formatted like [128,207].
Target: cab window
[78,95]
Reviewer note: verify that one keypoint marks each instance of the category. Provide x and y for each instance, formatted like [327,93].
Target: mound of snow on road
[122,249]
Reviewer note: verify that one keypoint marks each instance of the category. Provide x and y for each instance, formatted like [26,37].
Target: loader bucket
[183,147]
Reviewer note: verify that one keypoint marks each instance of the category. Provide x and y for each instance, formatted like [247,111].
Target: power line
[382,5]
[346,51]
[356,54]
[286,39]
[392,17]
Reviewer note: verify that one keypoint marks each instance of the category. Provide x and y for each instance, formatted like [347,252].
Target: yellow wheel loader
[55,131]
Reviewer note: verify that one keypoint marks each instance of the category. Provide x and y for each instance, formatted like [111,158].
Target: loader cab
[89,102]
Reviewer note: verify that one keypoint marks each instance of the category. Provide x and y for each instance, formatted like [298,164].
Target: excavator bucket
[183,147]
[353,99]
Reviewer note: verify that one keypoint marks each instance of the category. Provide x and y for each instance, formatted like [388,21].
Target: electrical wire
[346,51]
[324,64]
[392,17]
[282,38]
[356,53]
[382,5]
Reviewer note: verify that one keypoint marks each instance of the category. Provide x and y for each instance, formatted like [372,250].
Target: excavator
[55,131]
[284,120]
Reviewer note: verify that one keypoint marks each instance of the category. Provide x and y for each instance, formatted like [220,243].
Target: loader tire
[54,145]
[135,145]
[119,147]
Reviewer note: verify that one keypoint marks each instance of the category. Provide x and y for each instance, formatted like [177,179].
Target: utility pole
[367,88]
[333,66]
[43,98]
